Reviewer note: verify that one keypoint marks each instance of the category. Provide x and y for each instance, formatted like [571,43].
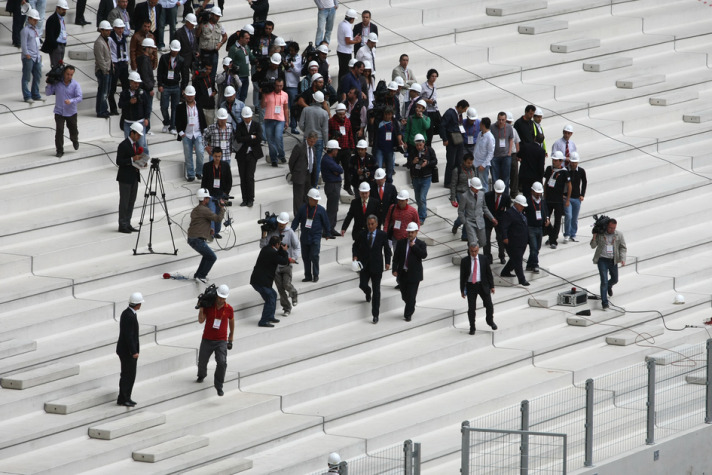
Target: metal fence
[399,459]
[605,417]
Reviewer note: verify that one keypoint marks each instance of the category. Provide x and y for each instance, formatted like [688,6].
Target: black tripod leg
[146,194]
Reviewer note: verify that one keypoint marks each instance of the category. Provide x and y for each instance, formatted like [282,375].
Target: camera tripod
[153,184]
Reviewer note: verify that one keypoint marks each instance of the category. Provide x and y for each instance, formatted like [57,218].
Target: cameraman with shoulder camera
[217,179]
[283,275]
[271,256]
[610,250]
[199,233]
[216,339]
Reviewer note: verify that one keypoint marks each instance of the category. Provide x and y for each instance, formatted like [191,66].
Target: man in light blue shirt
[31,59]
[68,94]
[484,151]
[168,15]
[325,20]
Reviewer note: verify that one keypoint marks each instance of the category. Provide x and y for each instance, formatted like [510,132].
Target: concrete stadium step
[20,289]
[14,346]
[223,467]
[171,448]
[80,401]
[39,376]
[127,425]
[607,64]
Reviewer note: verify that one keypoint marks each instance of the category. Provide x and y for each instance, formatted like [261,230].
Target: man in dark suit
[128,176]
[385,192]
[127,348]
[452,131]
[56,34]
[360,208]
[188,45]
[369,249]
[302,166]
[148,11]
[408,267]
[363,29]
[515,235]
[497,202]
[262,278]
[249,149]
[476,279]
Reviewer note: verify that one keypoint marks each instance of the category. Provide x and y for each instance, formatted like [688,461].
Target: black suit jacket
[187,52]
[485,272]
[127,344]
[356,213]
[140,14]
[389,198]
[372,256]
[105,7]
[533,160]
[514,228]
[182,119]
[299,165]
[417,253]
[127,173]
[244,136]
[266,266]
[52,30]
[209,176]
[504,203]
[357,31]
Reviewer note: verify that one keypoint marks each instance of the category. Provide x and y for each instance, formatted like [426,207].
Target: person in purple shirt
[69,94]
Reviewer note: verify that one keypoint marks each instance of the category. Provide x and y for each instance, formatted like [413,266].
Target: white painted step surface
[171,448]
[634,335]
[36,377]
[126,425]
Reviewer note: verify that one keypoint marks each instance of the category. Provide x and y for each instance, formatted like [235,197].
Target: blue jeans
[274,130]
[102,93]
[420,188]
[606,266]
[188,146]
[324,25]
[141,140]
[292,94]
[483,176]
[213,205]
[500,170]
[31,70]
[242,93]
[209,257]
[310,257]
[269,295]
[318,150]
[385,157]
[40,6]
[170,94]
[168,15]
[535,236]
[571,213]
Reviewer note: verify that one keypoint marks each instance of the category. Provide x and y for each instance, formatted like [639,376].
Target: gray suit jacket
[472,212]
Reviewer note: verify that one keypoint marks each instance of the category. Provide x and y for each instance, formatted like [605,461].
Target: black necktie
[370,239]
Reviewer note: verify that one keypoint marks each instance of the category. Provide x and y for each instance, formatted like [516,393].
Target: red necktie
[135,149]
[496,206]
[364,208]
[567,149]
[380,193]
[474,271]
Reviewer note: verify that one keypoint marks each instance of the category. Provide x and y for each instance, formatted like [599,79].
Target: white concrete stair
[626,338]
[36,377]
[126,425]
[543,26]
[14,347]
[575,45]
[169,449]
[227,466]
[698,117]
[640,81]
[607,64]
[513,8]
[80,401]
[674,98]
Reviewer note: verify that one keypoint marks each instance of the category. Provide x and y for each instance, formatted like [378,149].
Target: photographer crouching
[610,250]
[277,226]
[217,179]
[217,315]
[200,233]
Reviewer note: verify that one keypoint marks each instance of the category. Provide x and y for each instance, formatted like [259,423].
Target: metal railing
[603,418]
[399,459]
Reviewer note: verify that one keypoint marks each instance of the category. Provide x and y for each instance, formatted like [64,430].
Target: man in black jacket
[262,278]
[249,142]
[476,279]
[169,77]
[56,34]
[408,267]
[369,249]
[532,160]
[515,235]
[452,131]
[359,209]
[363,29]
[128,177]
[135,108]
[385,192]
[127,348]
[217,179]
[148,11]
[497,201]
[189,49]
[302,166]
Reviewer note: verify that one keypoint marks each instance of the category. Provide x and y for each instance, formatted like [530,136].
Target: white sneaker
[173,131]
[149,133]
[566,239]
[286,313]
[204,280]
[165,129]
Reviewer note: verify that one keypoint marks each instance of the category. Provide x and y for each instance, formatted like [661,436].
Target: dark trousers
[57,55]
[209,257]
[299,195]
[246,167]
[207,348]
[434,129]
[170,97]
[516,256]
[525,185]
[535,235]
[514,179]
[374,292]
[127,199]
[81,6]
[260,11]
[343,158]
[121,73]
[453,155]
[554,226]
[331,189]
[310,256]
[59,121]
[269,295]
[473,290]
[18,21]
[344,59]
[409,291]
[127,378]
[498,237]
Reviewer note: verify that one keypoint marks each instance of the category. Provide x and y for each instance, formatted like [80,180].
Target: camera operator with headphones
[283,275]
[217,318]
[199,232]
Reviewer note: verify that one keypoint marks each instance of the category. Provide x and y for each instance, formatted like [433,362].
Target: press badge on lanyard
[552,181]
[389,136]
[502,143]
[277,110]
[216,324]
[609,248]
[308,224]
[216,183]
[538,215]
[170,74]
[462,129]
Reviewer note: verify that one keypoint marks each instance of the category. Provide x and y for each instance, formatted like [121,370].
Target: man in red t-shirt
[216,338]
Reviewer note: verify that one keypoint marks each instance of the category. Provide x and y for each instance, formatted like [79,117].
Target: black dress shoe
[454,228]
[103,116]
[375,319]
[502,260]
[132,229]
[59,154]
[114,113]
[125,403]
[492,325]
[525,284]
[217,236]
[368,297]
[125,230]
[335,233]
[610,292]
[472,331]
[407,319]
[220,392]
[307,279]
[274,320]
[191,178]
[250,204]
[200,380]
[75,144]
[316,278]
[397,287]
[81,22]
[243,204]
[268,325]
[506,274]
[133,403]
[199,177]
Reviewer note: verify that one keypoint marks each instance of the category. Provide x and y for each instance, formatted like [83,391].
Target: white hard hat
[403,195]
[380,174]
[222,114]
[134,76]
[568,128]
[362,144]
[227,60]
[323,49]
[216,11]
[364,187]
[137,127]
[537,187]
[574,157]
[229,91]
[351,13]
[119,23]
[538,113]
[249,28]
[35,15]
[276,58]
[104,25]
[679,299]
[340,107]
[521,200]
[314,194]
[203,193]
[510,117]
[333,145]
[373,38]
[246,112]
[415,87]
[313,64]
[421,102]
[175,46]
[148,43]
[399,81]
[367,65]
[62,4]
[136,298]
[472,113]
[192,19]
[412,226]
[283,217]
[356,266]
[557,155]
[499,186]
[352,61]
[419,138]
[189,91]
[316,77]
[392,86]
[318,96]
[334,459]
[475,183]
[279,41]
[223,291]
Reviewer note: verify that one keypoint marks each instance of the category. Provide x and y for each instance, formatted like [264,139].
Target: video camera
[268,223]
[208,297]
[226,200]
[56,74]
[600,224]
